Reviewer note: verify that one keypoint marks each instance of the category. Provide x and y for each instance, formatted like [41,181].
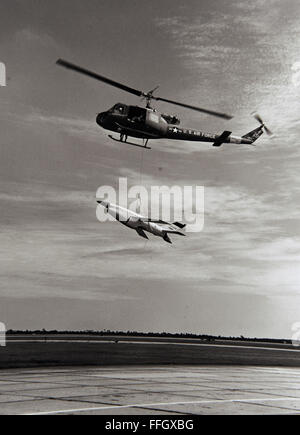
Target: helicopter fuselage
[147,123]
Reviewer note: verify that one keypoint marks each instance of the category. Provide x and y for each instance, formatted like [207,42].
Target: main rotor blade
[133,91]
[96,76]
[198,109]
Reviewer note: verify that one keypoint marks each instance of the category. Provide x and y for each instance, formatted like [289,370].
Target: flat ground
[151,390]
[37,351]
[126,375]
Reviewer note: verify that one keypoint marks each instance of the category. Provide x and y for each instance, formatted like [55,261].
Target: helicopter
[147,123]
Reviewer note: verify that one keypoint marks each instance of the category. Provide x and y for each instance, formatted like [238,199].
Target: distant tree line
[107,332]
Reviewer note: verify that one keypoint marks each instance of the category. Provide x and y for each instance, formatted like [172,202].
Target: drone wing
[142,233]
[167,226]
[154,221]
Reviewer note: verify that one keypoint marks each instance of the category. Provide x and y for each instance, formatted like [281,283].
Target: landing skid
[123,139]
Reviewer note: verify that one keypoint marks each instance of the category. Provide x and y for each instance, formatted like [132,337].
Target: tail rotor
[259,119]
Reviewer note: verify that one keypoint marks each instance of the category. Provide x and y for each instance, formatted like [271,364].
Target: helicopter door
[137,114]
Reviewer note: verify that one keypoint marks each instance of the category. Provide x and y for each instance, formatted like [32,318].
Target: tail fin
[167,238]
[222,138]
[179,225]
[254,134]
[142,233]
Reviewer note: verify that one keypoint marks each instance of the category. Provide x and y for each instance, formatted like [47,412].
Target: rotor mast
[149,96]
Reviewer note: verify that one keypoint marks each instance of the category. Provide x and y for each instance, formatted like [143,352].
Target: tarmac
[150,390]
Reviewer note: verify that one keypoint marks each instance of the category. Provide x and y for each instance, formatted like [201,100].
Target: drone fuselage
[142,224]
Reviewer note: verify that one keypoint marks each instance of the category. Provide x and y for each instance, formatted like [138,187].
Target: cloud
[39,194]
[48,284]
[197,39]
[29,36]
[78,127]
[238,56]
[296,74]
[283,249]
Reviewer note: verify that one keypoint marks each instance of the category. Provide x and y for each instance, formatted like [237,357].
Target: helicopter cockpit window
[119,108]
[137,114]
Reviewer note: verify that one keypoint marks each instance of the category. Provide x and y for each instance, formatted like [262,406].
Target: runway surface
[133,390]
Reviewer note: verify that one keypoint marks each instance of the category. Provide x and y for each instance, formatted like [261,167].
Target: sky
[61,268]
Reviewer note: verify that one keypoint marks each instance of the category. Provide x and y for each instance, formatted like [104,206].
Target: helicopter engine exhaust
[171,119]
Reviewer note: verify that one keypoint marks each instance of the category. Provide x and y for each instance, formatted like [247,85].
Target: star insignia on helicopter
[175,130]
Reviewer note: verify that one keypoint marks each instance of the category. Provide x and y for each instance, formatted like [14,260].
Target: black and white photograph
[150,220]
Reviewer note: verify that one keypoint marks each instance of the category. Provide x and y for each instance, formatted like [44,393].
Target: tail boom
[254,134]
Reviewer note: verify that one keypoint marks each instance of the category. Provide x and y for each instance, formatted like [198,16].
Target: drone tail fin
[179,225]
[142,233]
[167,238]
